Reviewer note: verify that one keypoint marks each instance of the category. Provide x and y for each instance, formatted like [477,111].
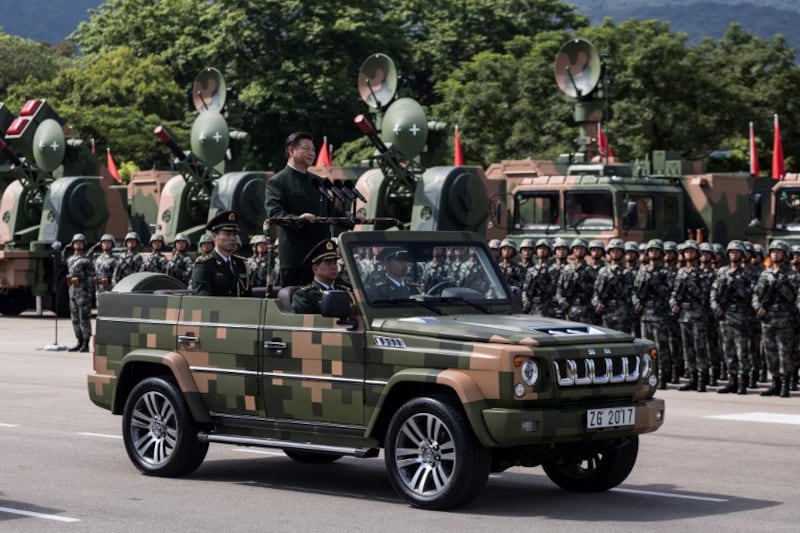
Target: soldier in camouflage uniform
[80,280]
[719,255]
[754,266]
[527,251]
[437,271]
[731,296]
[205,244]
[612,290]
[132,261]
[775,300]
[157,261]
[104,265]
[560,261]
[540,283]
[597,253]
[494,248]
[689,302]
[511,271]
[181,264]
[257,262]
[671,265]
[576,286]
[650,298]
[472,275]
[631,267]
[714,346]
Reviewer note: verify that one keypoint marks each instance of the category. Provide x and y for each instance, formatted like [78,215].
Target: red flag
[602,141]
[778,168]
[112,167]
[753,156]
[324,157]
[458,157]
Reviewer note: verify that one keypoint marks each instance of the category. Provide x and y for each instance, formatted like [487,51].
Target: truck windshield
[787,212]
[589,209]
[410,272]
[536,210]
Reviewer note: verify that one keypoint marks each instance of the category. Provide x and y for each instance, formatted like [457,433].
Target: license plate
[610,417]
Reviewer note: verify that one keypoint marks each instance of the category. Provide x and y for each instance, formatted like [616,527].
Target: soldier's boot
[732,386]
[742,385]
[784,386]
[662,381]
[691,384]
[714,381]
[793,381]
[675,378]
[84,346]
[77,346]
[702,380]
[762,375]
[753,379]
[774,389]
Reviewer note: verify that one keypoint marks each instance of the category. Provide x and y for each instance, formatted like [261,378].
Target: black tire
[159,432]
[432,456]
[315,458]
[596,472]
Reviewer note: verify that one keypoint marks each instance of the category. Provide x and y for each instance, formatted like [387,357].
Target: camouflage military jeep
[446,379]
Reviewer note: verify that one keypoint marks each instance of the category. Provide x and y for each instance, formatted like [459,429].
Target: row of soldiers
[705,314]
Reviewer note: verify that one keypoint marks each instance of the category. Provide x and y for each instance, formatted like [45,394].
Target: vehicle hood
[506,329]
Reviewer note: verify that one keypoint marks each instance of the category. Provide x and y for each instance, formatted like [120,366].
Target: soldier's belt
[74,281]
[106,283]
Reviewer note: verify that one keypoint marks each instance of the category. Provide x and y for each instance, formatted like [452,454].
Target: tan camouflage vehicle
[446,379]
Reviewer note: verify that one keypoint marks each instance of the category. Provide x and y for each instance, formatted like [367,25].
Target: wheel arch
[415,383]
[142,364]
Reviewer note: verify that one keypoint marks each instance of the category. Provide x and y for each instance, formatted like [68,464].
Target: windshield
[589,210]
[414,272]
[787,214]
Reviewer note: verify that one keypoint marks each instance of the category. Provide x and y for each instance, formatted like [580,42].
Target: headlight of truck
[530,372]
[647,366]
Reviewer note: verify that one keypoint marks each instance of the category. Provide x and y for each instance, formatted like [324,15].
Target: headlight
[530,372]
[646,365]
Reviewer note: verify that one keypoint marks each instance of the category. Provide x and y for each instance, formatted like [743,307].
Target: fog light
[653,381]
[519,390]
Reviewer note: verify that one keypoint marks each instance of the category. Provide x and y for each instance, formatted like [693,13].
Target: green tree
[24,60]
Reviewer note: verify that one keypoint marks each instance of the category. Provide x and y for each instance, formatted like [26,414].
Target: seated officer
[324,265]
[392,283]
[220,273]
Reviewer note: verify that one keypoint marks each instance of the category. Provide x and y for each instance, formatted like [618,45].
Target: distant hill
[704,18]
[50,21]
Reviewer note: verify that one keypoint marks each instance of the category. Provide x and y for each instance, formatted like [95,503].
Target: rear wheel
[432,456]
[159,432]
[597,471]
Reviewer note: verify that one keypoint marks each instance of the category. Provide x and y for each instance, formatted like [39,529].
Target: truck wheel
[315,458]
[432,456]
[159,432]
[596,472]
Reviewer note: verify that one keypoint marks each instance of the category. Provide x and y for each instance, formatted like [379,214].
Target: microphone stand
[55,254]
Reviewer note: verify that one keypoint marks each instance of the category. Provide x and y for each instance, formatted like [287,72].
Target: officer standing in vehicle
[323,259]
[221,273]
[105,264]
[80,277]
[181,264]
[157,262]
[132,261]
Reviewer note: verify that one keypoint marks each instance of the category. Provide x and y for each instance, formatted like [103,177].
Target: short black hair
[295,138]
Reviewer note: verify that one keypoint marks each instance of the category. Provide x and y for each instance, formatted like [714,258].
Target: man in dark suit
[323,259]
[221,273]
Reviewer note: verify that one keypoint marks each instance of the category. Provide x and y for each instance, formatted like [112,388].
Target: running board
[363,453]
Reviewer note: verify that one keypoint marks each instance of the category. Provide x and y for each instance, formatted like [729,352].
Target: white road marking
[54,517]
[103,435]
[9,425]
[671,495]
[769,418]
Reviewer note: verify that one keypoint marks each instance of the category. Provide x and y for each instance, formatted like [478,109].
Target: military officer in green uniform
[393,283]
[221,273]
[80,279]
[323,259]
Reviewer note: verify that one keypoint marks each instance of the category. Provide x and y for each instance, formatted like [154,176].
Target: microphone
[352,188]
[316,182]
[339,186]
[331,190]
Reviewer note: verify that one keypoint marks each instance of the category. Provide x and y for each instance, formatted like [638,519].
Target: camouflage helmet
[616,243]
[706,247]
[494,244]
[205,238]
[735,245]
[642,247]
[632,246]
[156,237]
[108,237]
[577,241]
[560,242]
[670,246]
[257,238]
[543,242]
[781,245]
[597,243]
[718,249]
[132,235]
[748,246]
[691,244]
[510,243]
[526,243]
[655,243]
[759,249]
[78,237]
[182,237]
[681,247]
[795,249]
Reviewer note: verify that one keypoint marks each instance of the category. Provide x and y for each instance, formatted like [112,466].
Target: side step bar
[362,453]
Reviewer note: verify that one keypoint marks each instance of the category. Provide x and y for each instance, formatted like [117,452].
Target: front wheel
[596,471]
[432,456]
[159,432]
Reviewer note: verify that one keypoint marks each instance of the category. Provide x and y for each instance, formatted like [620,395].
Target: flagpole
[753,156]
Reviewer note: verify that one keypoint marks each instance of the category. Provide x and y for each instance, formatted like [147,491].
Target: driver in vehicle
[393,283]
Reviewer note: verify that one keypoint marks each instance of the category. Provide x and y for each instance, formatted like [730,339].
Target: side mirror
[631,217]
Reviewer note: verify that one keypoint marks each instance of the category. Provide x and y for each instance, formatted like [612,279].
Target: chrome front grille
[597,370]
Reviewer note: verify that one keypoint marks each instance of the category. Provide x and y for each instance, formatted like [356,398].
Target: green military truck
[444,377]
